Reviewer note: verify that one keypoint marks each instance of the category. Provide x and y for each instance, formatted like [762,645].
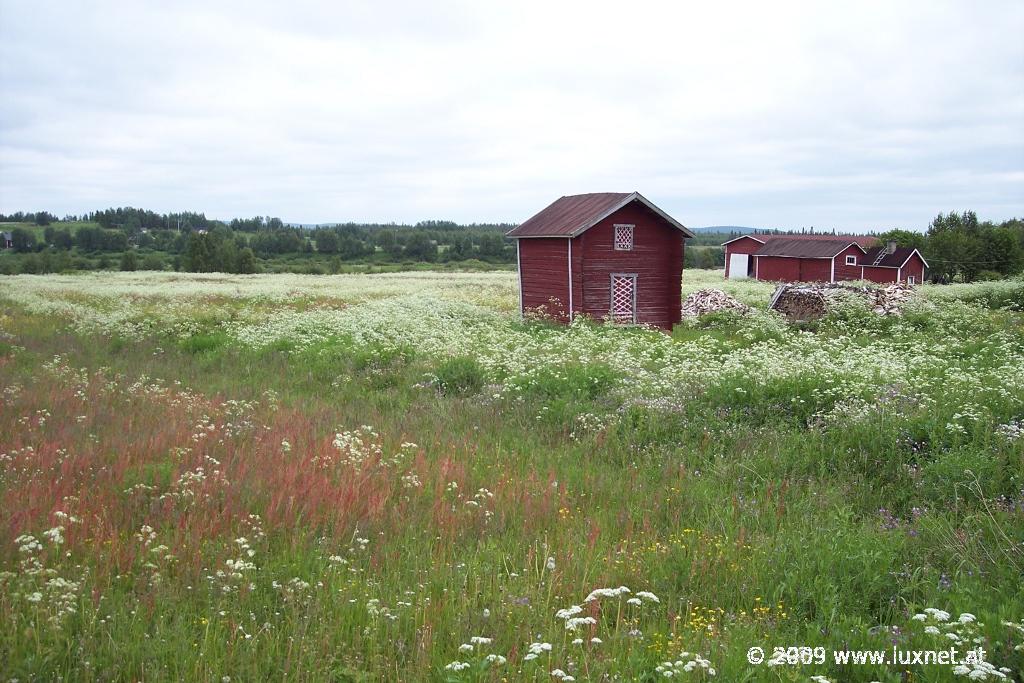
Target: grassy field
[391,477]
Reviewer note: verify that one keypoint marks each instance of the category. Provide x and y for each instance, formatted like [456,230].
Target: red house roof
[864,241]
[896,259]
[572,215]
[805,248]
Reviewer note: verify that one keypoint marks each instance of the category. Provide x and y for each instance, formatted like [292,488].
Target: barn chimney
[890,247]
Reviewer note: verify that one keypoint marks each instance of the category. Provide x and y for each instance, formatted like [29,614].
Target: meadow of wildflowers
[393,477]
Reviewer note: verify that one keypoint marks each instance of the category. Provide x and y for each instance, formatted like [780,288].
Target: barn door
[623,298]
[738,264]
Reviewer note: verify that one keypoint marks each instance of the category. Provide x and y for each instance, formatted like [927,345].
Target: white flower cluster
[599,593]
[1011,431]
[476,645]
[573,622]
[588,424]
[964,632]
[356,446]
[536,650]
[41,585]
[686,663]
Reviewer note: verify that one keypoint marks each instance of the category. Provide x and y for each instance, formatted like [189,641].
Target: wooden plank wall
[544,273]
[656,258]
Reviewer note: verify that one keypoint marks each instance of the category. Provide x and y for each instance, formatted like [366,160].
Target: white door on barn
[623,298]
[738,266]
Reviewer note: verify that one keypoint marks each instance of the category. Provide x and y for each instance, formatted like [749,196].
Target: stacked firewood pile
[889,300]
[807,301]
[709,301]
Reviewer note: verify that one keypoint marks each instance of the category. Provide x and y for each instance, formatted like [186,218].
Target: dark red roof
[571,215]
[804,248]
[865,241]
[894,260]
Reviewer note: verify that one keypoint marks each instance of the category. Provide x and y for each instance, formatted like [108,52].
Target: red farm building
[821,258]
[606,255]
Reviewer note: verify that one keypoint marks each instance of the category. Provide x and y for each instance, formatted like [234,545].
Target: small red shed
[894,264]
[606,255]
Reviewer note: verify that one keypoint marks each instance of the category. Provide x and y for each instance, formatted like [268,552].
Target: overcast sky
[865,116]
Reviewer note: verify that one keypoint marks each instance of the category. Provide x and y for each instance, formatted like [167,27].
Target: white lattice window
[623,237]
[623,298]
[851,260]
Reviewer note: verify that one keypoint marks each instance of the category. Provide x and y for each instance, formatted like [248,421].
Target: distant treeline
[191,241]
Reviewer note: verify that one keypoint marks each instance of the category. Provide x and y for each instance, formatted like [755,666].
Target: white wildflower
[606,593]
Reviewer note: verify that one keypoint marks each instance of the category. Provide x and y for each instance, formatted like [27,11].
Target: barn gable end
[745,245]
[573,240]
[656,259]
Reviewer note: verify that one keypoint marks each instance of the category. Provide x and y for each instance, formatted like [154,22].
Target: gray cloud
[861,116]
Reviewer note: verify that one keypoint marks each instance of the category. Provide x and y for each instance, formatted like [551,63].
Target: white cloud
[786,114]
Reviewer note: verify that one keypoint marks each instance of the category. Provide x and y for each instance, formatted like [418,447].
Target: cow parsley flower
[568,612]
[686,663]
[56,535]
[598,593]
[574,623]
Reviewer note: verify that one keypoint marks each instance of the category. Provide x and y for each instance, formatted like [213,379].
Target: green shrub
[379,357]
[460,375]
[579,381]
[129,261]
[152,262]
[960,475]
[204,343]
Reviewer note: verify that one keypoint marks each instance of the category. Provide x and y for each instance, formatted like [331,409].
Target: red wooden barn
[821,258]
[607,255]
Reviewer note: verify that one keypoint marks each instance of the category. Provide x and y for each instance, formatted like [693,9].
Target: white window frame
[851,259]
[911,280]
[620,241]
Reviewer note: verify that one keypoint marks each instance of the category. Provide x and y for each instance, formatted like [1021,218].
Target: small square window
[911,280]
[851,260]
[623,237]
